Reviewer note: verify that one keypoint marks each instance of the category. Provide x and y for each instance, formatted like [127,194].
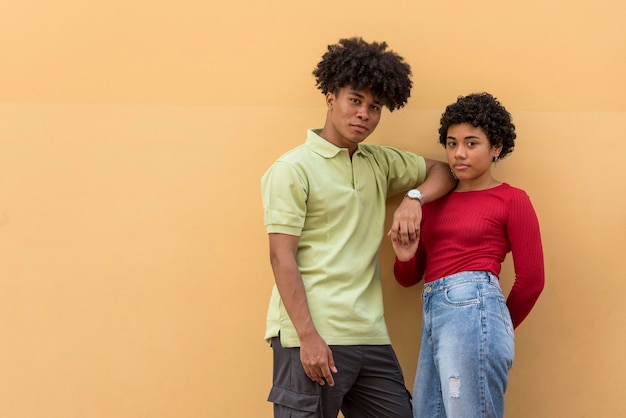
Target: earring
[453,175]
[495,159]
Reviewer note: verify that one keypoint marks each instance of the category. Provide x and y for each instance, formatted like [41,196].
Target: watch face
[415,194]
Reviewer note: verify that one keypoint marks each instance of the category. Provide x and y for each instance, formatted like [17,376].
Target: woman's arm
[408,273]
[525,240]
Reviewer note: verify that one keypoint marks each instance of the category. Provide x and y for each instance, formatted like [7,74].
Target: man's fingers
[329,378]
[328,371]
[322,378]
[322,375]
[314,376]
[318,363]
[415,235]
[408,235]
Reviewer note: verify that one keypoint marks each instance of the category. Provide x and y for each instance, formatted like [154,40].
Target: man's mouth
[360,128]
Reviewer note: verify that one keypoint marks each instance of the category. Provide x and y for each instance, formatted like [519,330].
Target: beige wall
[133,259]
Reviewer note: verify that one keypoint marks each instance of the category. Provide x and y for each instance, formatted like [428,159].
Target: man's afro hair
[359,64]
[484,111]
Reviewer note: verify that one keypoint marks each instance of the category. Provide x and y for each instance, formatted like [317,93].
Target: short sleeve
[284,193]
[405,169]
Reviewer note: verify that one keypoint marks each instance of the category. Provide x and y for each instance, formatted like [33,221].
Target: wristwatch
[415,194]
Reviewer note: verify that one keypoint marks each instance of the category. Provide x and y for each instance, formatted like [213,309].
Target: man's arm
[315,355]
[405,228]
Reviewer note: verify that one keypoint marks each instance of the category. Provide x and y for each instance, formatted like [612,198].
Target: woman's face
[470,153]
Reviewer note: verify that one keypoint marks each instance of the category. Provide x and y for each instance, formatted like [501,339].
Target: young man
[324,204]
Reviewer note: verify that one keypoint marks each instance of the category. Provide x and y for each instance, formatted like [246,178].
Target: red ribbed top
[473,231]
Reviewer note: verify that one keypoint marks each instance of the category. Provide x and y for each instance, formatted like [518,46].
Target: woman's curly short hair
[359,64]
[484,111]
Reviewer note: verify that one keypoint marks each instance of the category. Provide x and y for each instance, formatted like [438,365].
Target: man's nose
[363,113]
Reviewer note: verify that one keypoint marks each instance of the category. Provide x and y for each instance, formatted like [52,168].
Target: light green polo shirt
[336,205]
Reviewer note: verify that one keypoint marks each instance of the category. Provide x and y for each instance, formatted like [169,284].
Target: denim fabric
[467,348]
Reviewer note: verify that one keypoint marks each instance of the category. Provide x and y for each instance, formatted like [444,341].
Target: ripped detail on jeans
[455,386]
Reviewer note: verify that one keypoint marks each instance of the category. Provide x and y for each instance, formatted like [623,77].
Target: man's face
[352,116]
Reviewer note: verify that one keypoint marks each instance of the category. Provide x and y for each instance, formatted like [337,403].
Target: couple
[324,211]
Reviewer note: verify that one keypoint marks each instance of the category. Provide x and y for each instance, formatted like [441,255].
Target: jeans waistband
[462,277]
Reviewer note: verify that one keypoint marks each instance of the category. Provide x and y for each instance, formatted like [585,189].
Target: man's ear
[330,100]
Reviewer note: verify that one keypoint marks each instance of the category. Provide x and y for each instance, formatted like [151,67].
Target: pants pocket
[462,294]
[294,400]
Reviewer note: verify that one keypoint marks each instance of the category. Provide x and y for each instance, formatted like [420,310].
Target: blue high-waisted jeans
[467,348]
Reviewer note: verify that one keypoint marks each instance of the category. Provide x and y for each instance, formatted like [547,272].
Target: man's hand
[315,355]
[404,252]
[317,360]
[405,229]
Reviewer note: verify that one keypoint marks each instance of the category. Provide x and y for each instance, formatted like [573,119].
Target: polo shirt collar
[322,146]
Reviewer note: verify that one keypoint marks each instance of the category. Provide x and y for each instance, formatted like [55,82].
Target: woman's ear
[498,150]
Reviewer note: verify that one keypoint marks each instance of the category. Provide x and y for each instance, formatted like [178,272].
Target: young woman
[467,343]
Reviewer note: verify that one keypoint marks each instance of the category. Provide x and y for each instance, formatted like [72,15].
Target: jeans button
[428,289]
